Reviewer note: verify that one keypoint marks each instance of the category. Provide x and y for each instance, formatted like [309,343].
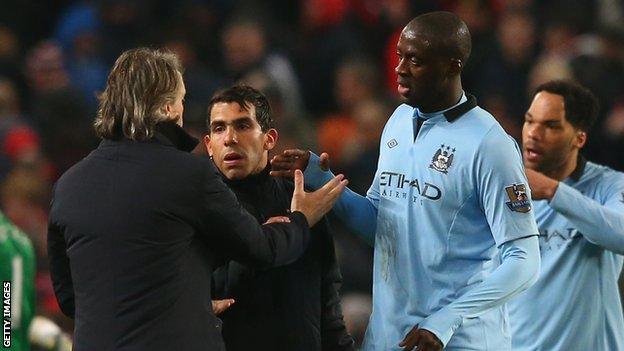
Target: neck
[253,179]
[448,98]
[566,170]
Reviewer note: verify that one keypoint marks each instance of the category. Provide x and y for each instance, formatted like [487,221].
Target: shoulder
[402,112]
[603,177]
[479,130]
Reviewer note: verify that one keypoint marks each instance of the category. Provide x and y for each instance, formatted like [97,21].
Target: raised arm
[601,223]
[357,212]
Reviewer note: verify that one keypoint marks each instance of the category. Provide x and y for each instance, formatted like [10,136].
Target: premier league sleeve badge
[519,200]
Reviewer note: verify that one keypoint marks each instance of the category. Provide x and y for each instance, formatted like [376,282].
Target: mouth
[532,154]
[232,158]
[402,89]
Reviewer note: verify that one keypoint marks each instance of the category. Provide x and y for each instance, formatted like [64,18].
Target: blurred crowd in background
[327,67]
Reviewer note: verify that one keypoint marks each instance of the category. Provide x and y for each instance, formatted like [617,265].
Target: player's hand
[277,219]
[542,187]
[219,306]
[422,340]
[316,204]
[284,165]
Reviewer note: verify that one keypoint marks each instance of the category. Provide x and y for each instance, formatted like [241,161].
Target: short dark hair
[451,35]
[581,106]
[244,96]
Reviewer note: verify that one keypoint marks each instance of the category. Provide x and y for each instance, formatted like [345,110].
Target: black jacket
[294,307]
[134,230]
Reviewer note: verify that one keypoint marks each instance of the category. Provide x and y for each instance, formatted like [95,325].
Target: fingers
[335,192]
[298,182]
[324,161]
[294,153]
[410,340]
[218,306]
[284,174]
[332,184]
[431,341]
[278,219]
[280,164]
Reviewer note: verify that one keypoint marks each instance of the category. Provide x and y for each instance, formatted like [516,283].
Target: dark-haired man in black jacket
[136,227]
[294,307]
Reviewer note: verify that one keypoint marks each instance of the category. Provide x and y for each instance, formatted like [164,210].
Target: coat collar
[166,133]
[170,133]
[251,181]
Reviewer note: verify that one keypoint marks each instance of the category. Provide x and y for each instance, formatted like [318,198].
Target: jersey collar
[580,168]
[459,110]
[466,103]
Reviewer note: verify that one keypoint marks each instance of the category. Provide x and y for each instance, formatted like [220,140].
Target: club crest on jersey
[443,159]
[519,198]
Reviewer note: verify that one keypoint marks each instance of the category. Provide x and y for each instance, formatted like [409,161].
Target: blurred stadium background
[327,66]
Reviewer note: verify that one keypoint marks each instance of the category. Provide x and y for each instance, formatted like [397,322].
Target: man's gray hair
[139,85]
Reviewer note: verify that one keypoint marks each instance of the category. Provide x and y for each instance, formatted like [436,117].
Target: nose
[230,136]
[533,131]
[400,68]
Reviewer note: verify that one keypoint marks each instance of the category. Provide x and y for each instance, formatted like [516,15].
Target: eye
[415,61]
[244,126]
[217,129]
[553,126]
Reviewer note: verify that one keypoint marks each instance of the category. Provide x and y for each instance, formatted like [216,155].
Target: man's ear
[270,140]
[166,109]
[455,67]
[207,144]
[580,139]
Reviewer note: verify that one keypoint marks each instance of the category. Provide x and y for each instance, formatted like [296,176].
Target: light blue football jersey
[575,304]
[441,204]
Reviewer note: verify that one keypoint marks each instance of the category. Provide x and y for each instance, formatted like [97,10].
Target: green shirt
[17,266]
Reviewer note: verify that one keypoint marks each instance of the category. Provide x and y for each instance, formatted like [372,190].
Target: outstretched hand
[315,205]
[422,339]
[285,164]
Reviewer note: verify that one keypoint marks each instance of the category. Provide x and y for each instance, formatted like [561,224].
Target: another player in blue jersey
[449,210]
[575,304]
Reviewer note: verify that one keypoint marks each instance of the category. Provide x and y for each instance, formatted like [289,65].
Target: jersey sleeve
[519,269]
[601,221]
[502,188]
[357,212]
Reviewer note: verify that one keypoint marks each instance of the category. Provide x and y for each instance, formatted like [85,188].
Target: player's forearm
[519,270]
[356,211]
[597,223]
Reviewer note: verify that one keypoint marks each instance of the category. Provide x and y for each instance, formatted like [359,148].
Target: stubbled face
[236,141]
[548,139]
[420,73]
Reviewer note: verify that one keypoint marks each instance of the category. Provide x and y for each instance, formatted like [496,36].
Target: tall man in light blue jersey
[449,210]
[575,304]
